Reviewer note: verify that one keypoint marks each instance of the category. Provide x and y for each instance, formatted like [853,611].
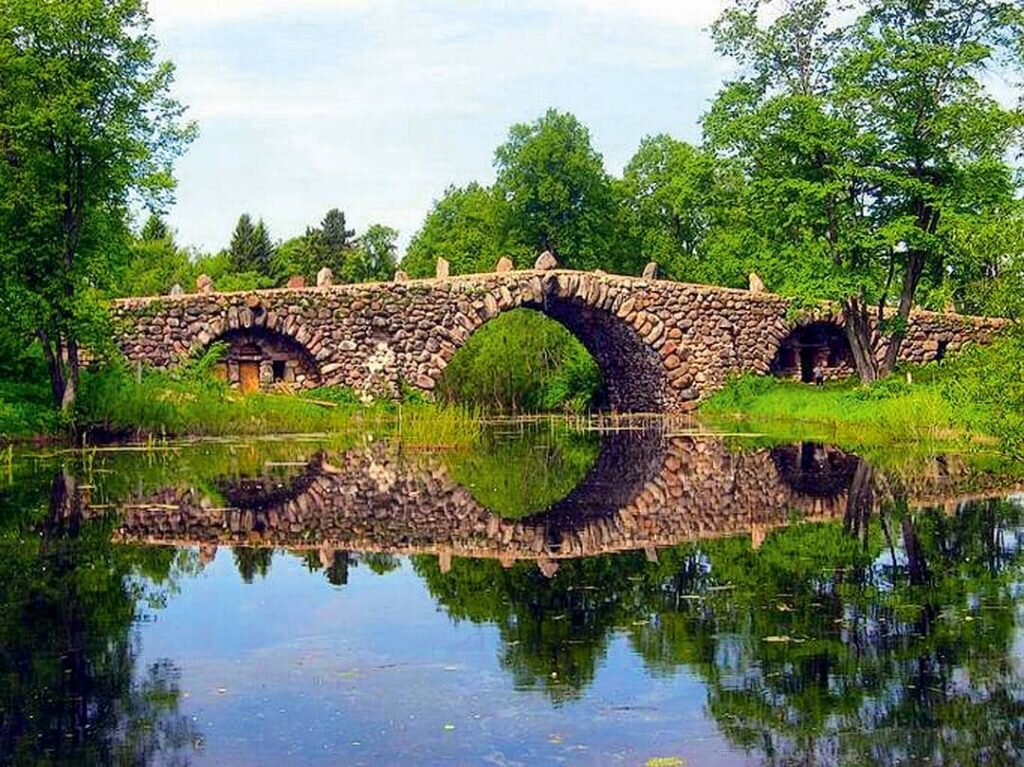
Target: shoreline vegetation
[970,402]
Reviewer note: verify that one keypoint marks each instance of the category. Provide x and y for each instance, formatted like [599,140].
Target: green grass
[26,411]
[115,404]
[522,362]
[891,411]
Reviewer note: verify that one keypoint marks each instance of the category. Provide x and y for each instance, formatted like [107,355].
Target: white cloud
[692,14]
[184,13]
[377,105]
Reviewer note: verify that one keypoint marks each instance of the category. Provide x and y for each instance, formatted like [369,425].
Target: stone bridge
[661,345]
[646,490]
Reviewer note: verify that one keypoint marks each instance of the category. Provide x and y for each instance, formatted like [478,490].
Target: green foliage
[375,257]
[987,386]
[867,145]
[226,278]
[525,475]
[522,361]
[680,203]
[466,227]
[156,264]
[369,258]
[89,126]
[251,249]
[558,194]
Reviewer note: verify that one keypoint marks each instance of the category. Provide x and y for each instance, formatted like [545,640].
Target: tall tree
[860,140]
[336,234]
[251,249]
[680,201]
[466,227]
[87,124]
[330,245]
[154,229]
[558,195]
[375,256]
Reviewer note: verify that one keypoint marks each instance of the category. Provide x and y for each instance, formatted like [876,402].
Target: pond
[640,595]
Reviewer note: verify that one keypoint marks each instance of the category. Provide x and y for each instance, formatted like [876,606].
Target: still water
[634,597]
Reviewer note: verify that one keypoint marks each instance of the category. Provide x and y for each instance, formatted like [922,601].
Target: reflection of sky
[291,669]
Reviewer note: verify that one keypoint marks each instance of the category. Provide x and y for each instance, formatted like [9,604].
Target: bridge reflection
[646,489]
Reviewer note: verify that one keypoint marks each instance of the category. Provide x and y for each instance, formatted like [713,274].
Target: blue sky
[375,107]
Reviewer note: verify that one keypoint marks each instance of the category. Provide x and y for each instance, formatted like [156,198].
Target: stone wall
[661,345]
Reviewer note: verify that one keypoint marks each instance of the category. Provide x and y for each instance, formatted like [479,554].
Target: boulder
[650,271]
[297,281]
[204,283]
[504,265]
[324,278]
[177,290]
[545,261]
[756,283]
[442,269]
[401,276]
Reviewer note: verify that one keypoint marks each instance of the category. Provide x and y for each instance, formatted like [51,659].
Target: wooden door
[249,376]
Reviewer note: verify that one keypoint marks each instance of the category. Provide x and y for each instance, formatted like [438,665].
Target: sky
[376,106]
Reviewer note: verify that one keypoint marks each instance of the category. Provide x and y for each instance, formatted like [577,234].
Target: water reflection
[641,489]
[832,610]
[70,688]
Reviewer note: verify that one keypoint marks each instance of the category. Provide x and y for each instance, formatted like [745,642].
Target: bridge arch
[259,357]
[816,342]
[634,371]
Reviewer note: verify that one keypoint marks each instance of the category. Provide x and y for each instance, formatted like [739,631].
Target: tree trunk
[67,402]
[64,373]
[860,336]
[860,501]
[911,278]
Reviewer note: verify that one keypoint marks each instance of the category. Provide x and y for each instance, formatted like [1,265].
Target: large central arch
[635,376]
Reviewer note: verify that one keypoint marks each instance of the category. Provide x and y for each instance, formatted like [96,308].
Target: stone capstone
[545,262]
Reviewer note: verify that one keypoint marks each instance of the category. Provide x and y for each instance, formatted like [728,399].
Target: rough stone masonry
[661,345]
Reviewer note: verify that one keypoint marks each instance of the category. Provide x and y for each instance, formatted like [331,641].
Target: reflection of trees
[251,562]
[894,651]
[336,564]
[71,692]
[554,630]
[880,640]
[518,477]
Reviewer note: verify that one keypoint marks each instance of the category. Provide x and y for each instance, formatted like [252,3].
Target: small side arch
[258,358]
[819,344]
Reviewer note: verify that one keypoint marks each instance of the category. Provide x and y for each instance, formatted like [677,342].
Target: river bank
[972,401]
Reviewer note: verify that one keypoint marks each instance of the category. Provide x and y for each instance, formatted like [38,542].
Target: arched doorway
[818,345]
[257,358]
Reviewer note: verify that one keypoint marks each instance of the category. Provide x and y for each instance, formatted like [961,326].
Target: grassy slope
[113,404]
[889,412]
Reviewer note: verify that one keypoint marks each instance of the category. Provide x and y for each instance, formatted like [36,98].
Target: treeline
[156,263]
